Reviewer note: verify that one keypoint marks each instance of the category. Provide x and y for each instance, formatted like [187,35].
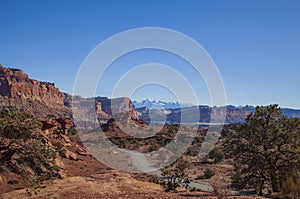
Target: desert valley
[43,155]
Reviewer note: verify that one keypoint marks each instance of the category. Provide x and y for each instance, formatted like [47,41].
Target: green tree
[264,149]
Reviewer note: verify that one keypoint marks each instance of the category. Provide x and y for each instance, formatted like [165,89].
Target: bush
[154,147]
[72,131]
[216,154]
[208,173]
[60,149]
[154,179]
[176,175]
[192,151]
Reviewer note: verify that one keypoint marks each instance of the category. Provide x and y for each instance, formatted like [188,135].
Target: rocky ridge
[43,99]
[204,114]
[38,98]
[14,83]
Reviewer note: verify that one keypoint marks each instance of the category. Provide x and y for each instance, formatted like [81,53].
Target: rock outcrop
[89,111]
[33,147]
[38,98]
[14,83]
[43,99]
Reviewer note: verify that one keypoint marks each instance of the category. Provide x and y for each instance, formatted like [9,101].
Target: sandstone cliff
[89,111]
[41,99]
[14,83]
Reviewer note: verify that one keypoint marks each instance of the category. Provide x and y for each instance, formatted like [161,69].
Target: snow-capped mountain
[157,104]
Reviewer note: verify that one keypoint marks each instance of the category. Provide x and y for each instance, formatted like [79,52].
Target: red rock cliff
[15,84]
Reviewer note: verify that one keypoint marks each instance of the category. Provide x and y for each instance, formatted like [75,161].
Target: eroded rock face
[89,112]
[117,105]
[14,83]
[30,147]
[41,99]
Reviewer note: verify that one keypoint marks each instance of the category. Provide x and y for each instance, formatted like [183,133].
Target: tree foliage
[264,149]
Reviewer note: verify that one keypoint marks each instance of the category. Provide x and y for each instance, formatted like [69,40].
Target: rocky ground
[113,184]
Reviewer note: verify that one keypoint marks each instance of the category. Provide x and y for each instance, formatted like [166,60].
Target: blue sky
[255,44]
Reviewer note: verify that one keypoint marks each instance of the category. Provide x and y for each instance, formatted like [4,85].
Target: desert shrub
[72,131]
[208,173]
[60,149]
[4,167]
[176,175]
[154,179]
[192,151]
[216,154]
[18,125]
[198,140]
[220,187]
[154,147]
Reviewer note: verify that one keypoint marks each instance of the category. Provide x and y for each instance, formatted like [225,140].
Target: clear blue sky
[255,44]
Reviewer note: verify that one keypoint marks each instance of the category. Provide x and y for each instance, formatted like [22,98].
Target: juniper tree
[264,149]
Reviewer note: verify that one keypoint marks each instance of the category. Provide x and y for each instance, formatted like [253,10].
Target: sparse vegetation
[60,149]
[148,144]
[155,179]
[176,175]
[72,131]
[23,149]
[220,187]
[208,173]
[216,154]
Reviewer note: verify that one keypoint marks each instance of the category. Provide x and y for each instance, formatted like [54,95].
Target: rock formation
[38,98]
[88,112]
[14,83]
[33,148]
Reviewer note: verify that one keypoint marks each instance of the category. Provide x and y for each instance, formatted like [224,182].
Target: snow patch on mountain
[158,104]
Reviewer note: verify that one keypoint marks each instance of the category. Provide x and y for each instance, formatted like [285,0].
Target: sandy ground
[108,185]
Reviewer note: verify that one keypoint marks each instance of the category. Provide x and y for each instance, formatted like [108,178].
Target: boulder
[70,155]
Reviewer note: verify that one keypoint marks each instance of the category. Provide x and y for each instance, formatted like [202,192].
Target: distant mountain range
[174,112]
[158,104]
